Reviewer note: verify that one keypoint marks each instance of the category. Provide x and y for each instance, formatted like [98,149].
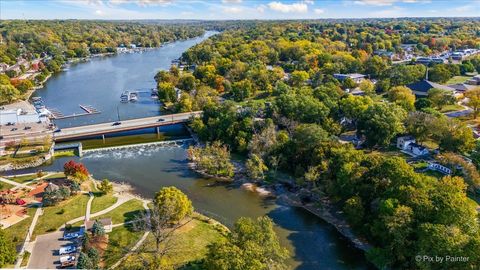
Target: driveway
[45,252]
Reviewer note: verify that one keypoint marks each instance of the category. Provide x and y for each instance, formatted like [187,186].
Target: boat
[124,97]
[133,96]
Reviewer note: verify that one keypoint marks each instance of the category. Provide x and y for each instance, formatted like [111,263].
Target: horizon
[235,10]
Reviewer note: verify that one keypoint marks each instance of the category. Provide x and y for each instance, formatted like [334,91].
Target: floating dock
[89,110]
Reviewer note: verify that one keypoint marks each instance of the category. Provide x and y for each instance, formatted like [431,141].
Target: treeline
[73,38]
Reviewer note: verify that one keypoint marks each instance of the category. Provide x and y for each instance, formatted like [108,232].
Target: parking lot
[45,252]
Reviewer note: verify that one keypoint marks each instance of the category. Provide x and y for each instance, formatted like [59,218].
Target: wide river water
[313,243]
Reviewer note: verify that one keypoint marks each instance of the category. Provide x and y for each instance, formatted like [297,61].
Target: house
[439,168]
[404,141]
[474,80]
[356,77]
[422,87]
[408,145]
[461,87]
[51,187]
[106,223]
[416,149]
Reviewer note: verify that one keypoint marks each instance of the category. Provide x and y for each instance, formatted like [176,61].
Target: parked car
[27,128]
[67,250]
[117,123]
[67,261]
[57,130]
[72,235]
[14,129]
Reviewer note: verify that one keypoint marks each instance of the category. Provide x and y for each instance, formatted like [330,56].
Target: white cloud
[393,12]
[232,10]
[310,2]
[387,2]
[261,8]
[99,12]
[463,8]
[142,2]
[231,1]
[318,11]
[300,7]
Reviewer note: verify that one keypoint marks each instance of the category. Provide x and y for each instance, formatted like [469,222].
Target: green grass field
[125,212]
[457,79]
[120,240]
[19,230]
[24,178]
[102,201]
[53,217]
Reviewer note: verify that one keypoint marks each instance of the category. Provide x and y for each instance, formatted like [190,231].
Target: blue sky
[234,9]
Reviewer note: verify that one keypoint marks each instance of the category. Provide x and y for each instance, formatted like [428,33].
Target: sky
[234,9]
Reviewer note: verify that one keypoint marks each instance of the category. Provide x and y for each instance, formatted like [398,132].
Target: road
[105,128]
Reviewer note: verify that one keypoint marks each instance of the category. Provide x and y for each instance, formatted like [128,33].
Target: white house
[408,145]
[356,77]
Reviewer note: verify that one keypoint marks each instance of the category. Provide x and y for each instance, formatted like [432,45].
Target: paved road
[29,234]
[98,129]
[45,252]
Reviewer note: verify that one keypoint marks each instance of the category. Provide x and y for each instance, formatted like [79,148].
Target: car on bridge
[161,120]
[117,123]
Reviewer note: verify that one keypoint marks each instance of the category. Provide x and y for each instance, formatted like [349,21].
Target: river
[99,82]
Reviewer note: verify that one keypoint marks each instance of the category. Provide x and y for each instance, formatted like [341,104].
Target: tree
[97,229]
[368,87]
[420,125]
[170,211]
[7,249]
[173,204]
[242,90]
[84,262]
[166,92]
[8,93]
[474,101]
[299,77]
[187,82]
[256,167]
[105,186]
[214,159]
[453,135]
[352,107]
[439,73]
[440,97]
[354,210]
[76,170]
[252,245]
[380,123]
[403,97]
[375,65]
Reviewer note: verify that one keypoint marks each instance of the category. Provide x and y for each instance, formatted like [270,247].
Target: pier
[89,110]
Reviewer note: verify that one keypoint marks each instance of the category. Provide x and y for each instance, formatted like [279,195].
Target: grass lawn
[5,186]
[26,256]
[53,217]
[125,212]
[68,153]
[457,79]
[451,108]
[435,174]
[24,178]
[102,201]
[18,232]
[190,242]
[120,240]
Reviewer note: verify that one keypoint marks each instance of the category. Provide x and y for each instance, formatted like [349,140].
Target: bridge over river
[79,132]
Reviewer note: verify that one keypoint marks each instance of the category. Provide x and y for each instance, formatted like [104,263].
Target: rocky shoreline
[326,211]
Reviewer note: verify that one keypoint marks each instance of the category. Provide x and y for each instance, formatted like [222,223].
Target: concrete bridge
[102,129]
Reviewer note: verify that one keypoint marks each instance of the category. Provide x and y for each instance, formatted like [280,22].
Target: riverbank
[322,208]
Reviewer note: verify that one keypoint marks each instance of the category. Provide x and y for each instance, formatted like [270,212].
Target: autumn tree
[474,100]
[403,97]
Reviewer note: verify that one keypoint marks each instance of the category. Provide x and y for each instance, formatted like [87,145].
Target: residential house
[422,87]
[408,145]
[474,80]
[356,77]
[462,87]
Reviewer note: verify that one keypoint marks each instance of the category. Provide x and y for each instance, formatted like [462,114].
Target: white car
[73,235]
[67,261]
[67,250]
